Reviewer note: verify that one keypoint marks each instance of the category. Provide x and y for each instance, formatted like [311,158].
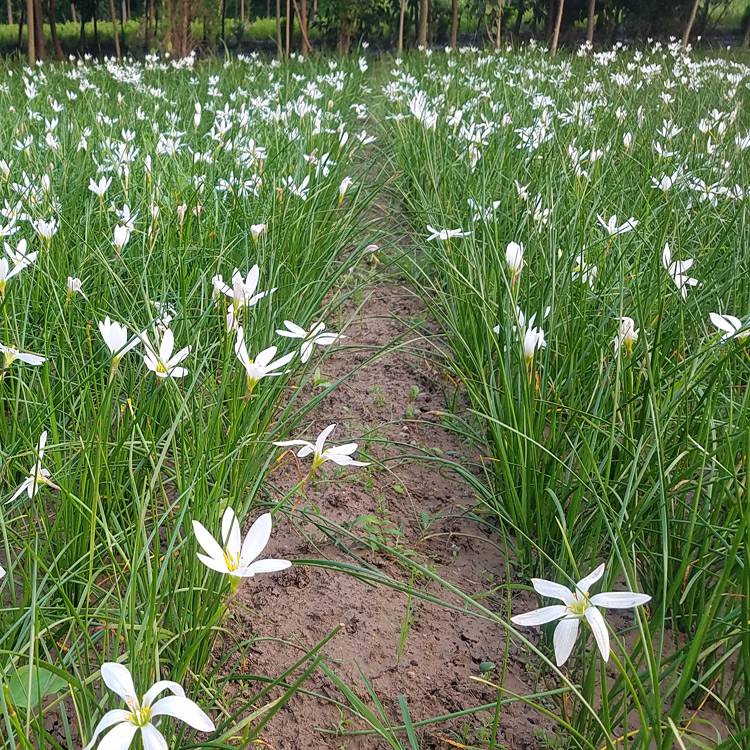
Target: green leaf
[28,686]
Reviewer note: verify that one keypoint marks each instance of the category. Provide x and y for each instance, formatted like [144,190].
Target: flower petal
[552,590]
[585,584]
[564,639]
[153,738]
[619,599]
[185,710]
[159,687]
[256,539]
[210,545]
[116,716]
[321,439]
[599,628]
[117,678]
[120,737]
[269,565]
[540,616]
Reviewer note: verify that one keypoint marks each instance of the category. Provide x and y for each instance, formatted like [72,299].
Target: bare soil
[422,511]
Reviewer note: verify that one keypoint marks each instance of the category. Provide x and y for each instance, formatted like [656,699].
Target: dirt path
[422,511]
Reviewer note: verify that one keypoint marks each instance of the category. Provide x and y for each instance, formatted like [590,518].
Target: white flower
[611,227]
[256,230]
[677,271]
[730,326]
[627,140]
[577,605]
[121,236]
[346,183]
[38,476]
[626,336]
[101,187]
[115,336]
[316,336]
[140,713]
[20,256]
[533,339]
[514,257]
[164,364]
[235,557]
[2,572]
[10,355]
[75,286]
[243,293]
[45,229]
[584,271]
[7,273]
[263,365]
[339,454]
[445,234]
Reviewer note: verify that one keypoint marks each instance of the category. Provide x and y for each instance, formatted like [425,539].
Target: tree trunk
[499,28]
[303,28]
[242,12]
[41,45]
[703,23]
[288,38]
[558,23]
[30,25]
[746,36]
[96,32]
[590,22]
[73,14]
[123,13]
[454,24]
[278,29]
[115,32]
[345,33]
[185,31]
[424,18]
[223,11]
[519,18]
[53,30]
[691,21]
[9,6]
[401,12]
[82,35]
[149,10]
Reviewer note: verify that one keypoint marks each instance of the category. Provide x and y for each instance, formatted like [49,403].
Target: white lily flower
[243,293]
[233,556]
[445,234]
[677,271]
[115,336]
[730,326]
[338,454]
[514,258]
[613,229]
[2,572]
[21,256]
[256,230]
[577,605]
[75,286]
[164,363]
[346,183]
[100,188]
[10,355]
[316,336]
[533,339]
[263,365]
[7,273]
[124,724]
[38,476]
[626,336]
[121,236]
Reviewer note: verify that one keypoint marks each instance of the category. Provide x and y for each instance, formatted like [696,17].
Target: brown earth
[397,403]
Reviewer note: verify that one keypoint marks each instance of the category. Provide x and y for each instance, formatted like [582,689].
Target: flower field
[190,248]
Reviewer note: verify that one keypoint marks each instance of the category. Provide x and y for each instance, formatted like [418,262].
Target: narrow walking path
[404,646]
